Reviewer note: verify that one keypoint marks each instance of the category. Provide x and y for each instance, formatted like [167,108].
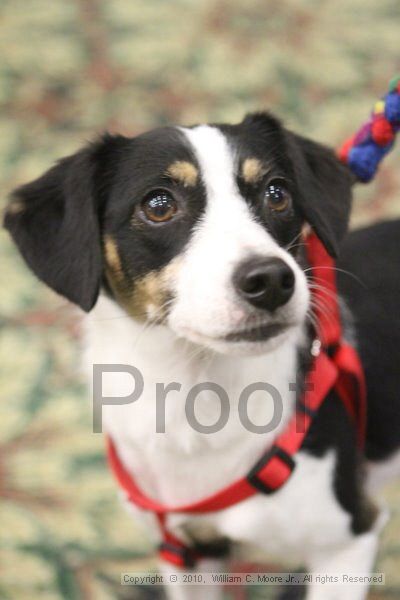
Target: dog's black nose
[265,283]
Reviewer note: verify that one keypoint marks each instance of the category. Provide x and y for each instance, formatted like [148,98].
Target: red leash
[336,366]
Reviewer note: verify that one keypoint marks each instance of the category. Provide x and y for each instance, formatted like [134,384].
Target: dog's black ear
[325,190]
[54,223]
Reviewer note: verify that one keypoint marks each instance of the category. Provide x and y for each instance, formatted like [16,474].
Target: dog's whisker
[322,308]
[300,244]
[153,321]
[315,282]
[327,318]
[329,293]
[311,317]
[296,237]
[340,270]
[321,303]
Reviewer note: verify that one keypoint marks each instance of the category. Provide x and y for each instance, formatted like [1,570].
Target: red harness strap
[336,366]
[350,383]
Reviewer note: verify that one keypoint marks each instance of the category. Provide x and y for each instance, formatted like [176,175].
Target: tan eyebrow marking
[252,170]
[112,256]
[183,172]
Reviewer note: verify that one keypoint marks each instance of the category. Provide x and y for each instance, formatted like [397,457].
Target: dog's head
[198,229]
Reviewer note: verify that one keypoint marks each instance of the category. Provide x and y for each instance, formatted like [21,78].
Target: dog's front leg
[193,592]
[357,557]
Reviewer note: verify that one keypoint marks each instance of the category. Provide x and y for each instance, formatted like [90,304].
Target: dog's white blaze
[215,159]
[228,221]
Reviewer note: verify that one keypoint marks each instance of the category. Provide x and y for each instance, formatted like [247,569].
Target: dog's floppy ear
[325,190]
[54,223]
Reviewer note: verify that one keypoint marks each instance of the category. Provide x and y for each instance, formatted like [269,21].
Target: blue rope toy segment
[364,151]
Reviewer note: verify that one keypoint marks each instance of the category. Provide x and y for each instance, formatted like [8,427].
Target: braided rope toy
[364,151]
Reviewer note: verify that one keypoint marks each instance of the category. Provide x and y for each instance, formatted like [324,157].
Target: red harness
[335,366]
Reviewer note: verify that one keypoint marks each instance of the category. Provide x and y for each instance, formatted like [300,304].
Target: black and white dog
[185,245]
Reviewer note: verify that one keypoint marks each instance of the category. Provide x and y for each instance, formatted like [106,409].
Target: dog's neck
[157,458]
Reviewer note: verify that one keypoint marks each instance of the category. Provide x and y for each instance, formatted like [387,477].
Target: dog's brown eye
[159,206]
[277,197]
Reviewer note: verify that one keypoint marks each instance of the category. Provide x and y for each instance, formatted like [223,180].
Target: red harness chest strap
[337,367]
[270,472]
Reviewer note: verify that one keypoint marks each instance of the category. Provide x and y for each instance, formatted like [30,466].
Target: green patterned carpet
[68,70]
